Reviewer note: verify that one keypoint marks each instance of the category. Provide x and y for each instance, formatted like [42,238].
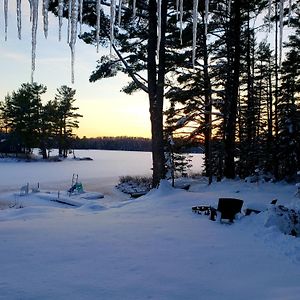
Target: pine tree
[289,108]
[67,118]
[22,110]
[189,90]
[178,162]
[48,123]
[137,50]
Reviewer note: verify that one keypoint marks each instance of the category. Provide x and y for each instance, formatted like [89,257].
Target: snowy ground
[153,247]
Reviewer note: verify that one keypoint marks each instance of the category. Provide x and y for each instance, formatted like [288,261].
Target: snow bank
[153,247]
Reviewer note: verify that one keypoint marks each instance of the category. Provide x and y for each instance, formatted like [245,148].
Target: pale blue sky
[106,110]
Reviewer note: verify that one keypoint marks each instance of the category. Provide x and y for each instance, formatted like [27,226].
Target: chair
[228,207]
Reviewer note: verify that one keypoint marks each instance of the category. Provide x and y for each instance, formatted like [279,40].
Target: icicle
[120,13]
[177,9]
[30,7]
[133,8]
[98,9]
[45,16]
[269,13]
[195,21]
[158,26]
[112,23]
[60,17]
[73,32]
[229,8]
[5,17]
[180,20]
[290,11]
[19,20]
[206,15]
[281,11]
[35,12]
[69,20]
[80,15]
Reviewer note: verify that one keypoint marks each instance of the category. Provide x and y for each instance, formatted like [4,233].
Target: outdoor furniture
[227,208]
[205,209]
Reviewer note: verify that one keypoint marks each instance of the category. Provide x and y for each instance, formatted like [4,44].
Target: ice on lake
[105,168]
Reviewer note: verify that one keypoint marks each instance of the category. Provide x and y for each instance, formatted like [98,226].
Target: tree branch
[130,72]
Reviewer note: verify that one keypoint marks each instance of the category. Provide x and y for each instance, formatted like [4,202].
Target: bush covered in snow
[287,220]
[259,176]
[134,184]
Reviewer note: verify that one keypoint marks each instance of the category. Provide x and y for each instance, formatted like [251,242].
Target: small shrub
[134,184]
[285,219]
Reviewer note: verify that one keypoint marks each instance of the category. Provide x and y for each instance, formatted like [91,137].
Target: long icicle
[269,13]
[5,17]
[80,15]
[229,8]
[290,11]
[120,13]
[112,23]
[73,33]
[19,19]
[30,8]
[206,15]
[195,21]
[177,9]
[281,11]
[181,19]
[69,20]
[35,14]
[158,26]
[45,16]
[60,17]
[98,12]
[133,8]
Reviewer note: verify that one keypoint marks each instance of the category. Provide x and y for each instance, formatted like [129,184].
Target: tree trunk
[208,111]
[43,150]
[276,126]
[250,127]
[60,142]
[232,92]
[270,117]
[156,89]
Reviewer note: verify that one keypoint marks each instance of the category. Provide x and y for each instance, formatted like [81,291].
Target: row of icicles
[75,8]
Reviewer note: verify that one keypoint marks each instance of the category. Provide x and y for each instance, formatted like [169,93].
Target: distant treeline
[124,143]
[114,143]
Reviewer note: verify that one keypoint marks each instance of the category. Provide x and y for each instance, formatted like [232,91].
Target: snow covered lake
[106,166]
[153,247]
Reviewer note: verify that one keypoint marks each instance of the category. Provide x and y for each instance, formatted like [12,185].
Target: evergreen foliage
[237,97]
[28,123]
[67,118]
[255,115]
[178,162]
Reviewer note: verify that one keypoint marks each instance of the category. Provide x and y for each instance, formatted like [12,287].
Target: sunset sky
[106,110]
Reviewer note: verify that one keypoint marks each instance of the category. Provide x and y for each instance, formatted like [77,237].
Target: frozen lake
[105,169]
